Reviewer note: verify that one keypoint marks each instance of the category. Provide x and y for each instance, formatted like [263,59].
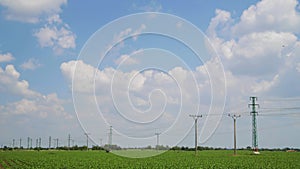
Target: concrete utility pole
[13,146]
[28,142]
[195,117]
[234,117]
[157,140]
[100,142]
[40,142]
[254,113]
[50,142]
[56,142]
[20,143]
[87,140]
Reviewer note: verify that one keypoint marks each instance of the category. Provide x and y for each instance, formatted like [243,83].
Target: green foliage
[170,159]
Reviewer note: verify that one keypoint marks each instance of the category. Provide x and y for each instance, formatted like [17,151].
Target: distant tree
[112,147]
[97,148]
[175,148]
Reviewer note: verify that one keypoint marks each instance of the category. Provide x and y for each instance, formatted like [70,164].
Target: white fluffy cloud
[87,77]
[7,57]
[258,50]
[126,59]
[10,83]
[30,64]
[266,15]
[42,107]
[139,96]
[56,34]
[32,102]
[30,11]
[221,21]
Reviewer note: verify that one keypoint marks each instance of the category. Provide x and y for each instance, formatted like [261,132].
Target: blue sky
[251,48]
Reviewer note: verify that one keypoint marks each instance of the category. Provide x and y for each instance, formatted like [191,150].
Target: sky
[142,67]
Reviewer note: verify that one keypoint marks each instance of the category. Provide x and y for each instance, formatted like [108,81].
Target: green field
[170,159]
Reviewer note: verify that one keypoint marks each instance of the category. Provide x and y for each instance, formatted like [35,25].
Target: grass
[169,159]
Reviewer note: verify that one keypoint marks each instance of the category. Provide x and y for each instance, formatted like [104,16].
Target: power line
[280,108]
[281,114]
[281,99]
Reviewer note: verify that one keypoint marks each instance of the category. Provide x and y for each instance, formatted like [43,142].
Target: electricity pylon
[254,113]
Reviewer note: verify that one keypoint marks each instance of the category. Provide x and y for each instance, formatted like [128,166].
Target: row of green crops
[170,159]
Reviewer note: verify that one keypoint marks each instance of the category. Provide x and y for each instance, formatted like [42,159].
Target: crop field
[170,159]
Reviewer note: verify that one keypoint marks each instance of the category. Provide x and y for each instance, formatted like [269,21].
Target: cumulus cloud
[31,64]
[42,106]
[151,6]
[10,83]
[259,49]
[30,11]
[127,60]
[266,15]
[139,96]
[139,31]
[7,57]
[56,34]
[220,22]
[31,103]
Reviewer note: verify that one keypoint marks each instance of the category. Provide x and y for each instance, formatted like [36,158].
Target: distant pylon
[69,140]
[110,137]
